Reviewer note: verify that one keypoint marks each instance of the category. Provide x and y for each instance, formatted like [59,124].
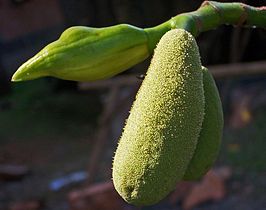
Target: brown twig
[219,72]
[102,132]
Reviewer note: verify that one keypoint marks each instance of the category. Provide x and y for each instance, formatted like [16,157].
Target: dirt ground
[53,135]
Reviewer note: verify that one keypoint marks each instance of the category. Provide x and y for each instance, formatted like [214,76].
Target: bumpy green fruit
[211,132]
[163,127]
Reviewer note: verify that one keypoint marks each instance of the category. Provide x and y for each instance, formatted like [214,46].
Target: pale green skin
[163,127]
[211,133]
[88,54]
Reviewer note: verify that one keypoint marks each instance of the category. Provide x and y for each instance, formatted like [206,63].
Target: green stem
[209,16]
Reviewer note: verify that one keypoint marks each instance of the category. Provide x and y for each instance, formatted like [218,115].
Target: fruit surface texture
[211,133]
[161,132]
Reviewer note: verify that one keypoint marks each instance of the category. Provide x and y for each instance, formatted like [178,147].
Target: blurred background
[57,138]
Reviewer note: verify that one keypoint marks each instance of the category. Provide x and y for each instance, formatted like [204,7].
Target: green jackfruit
[163,127]
[211,133]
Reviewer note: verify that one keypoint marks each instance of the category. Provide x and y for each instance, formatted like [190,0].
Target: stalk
[209,16]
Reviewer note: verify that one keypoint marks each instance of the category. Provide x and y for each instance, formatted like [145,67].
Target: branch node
[198,23]
[205,3]
[243,18]
[216,9]
[263,8]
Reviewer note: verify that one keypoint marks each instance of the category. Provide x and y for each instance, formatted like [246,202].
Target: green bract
[87,54]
